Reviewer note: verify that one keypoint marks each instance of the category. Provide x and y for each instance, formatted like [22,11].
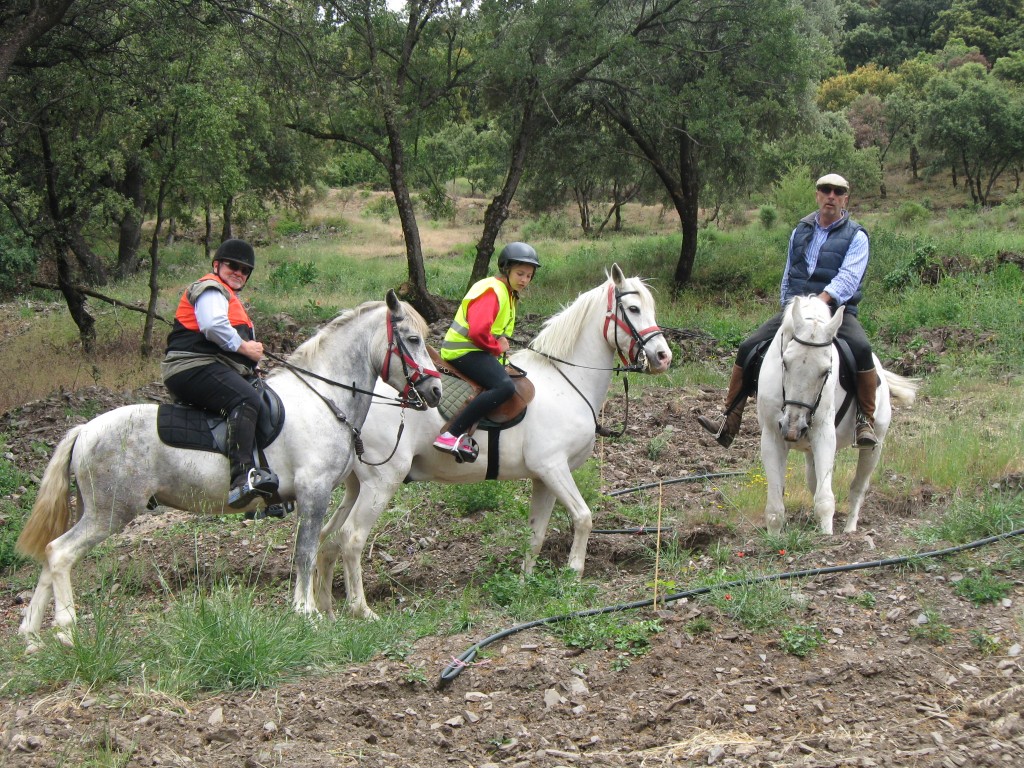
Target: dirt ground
[875,695]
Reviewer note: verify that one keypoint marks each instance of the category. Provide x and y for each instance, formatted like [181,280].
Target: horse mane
[561,332]
[309,350]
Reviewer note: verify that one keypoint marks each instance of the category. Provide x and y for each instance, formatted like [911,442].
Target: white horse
[798,394]
[120,463]
[570,363]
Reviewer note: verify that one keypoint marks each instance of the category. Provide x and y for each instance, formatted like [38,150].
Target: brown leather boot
[726,429]
[867,386]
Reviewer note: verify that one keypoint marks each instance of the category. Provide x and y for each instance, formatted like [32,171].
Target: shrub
[383,208]
[292,274]
[768,216]
[439,205]
[801,639]
[911,213]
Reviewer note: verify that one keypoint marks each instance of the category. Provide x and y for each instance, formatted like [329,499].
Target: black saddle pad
[184,426]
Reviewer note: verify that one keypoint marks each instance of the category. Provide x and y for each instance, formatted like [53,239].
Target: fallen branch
[108,299]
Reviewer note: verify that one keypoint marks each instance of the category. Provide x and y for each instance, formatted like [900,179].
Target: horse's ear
[392,301]
[617,277]
[837,318]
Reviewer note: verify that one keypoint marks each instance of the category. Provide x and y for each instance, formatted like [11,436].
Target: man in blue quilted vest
[828,255]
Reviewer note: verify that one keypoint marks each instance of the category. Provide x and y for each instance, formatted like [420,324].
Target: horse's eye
[635,310]
[414,340]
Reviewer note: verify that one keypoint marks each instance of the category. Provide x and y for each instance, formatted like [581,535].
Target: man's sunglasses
[828,189]
[240,268]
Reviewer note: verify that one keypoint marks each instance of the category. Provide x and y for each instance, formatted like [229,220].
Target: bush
[383,208]
[911,213]
[768,216]
[292,275]
[548,225]
[17,260]
[439,205]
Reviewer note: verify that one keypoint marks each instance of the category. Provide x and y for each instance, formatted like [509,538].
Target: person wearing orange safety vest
[212,363]
[478,339]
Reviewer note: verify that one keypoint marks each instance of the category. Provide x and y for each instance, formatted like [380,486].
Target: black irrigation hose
[652,529]
[458,664]
[686,479]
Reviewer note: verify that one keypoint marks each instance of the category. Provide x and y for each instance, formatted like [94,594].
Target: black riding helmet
[238,251]
[517,253]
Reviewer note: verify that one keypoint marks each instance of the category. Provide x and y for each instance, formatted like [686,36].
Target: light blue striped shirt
[850,274]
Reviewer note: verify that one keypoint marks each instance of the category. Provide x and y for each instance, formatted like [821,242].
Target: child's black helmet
[517,253]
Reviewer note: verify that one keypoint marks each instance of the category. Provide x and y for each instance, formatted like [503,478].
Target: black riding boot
[247,481]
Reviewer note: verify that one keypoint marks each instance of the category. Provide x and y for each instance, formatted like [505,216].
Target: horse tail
[902,391]
[51,513]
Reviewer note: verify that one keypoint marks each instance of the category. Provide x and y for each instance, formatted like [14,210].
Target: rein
[638,363]
[409,397]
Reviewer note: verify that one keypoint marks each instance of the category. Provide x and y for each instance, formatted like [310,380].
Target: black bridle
[635,362]
[811,407]
[408,398]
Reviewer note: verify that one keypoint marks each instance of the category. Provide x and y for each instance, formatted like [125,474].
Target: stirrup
[258,482]
[468,450]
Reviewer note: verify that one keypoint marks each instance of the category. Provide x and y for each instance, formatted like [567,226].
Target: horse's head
[808,362]
[407,365]
[630,325]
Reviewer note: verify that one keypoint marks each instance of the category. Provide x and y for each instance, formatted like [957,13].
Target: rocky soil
[877,694]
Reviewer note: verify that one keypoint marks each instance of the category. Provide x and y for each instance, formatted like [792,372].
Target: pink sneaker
[447,443]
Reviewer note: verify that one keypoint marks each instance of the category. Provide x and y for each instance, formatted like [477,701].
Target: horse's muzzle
[430,391]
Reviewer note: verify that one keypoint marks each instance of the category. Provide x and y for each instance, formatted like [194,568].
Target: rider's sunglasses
[240,268]
[828,189]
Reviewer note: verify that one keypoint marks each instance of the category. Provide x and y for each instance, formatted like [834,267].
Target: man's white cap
[834,179]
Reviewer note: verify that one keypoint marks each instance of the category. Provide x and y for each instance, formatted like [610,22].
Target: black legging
[213,387]
[485,370]
[850,330]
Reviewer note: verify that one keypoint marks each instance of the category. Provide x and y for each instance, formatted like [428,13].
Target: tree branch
[108,299]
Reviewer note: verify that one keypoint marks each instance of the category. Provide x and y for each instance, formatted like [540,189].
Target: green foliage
[546,591]
[553,226]
[758,607]
[607,631]
[800,639]
[911,212]
[985,587]
[288,227]
[289,275]
[932,629]
[478,497]
[227,641]
[699,626]
[13,511]
[864,600]
[383,207]
[17,257]
[439,205]
[102,650]
[984,643]
[972,518]
[768,216]
[910,273]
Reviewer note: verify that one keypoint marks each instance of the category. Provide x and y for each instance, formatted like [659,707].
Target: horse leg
[867,460]
[329,551]
[311,505]
[559,484]
[823,454]
[32,621]
[373,498]
[64,552]
[773,456]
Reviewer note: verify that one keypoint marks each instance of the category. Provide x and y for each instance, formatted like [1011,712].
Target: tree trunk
[20,29]
[129,235]
[154,263]
[93,270]
[75,300]
[226,226]
[208,232]
[498,210]
[688,208]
